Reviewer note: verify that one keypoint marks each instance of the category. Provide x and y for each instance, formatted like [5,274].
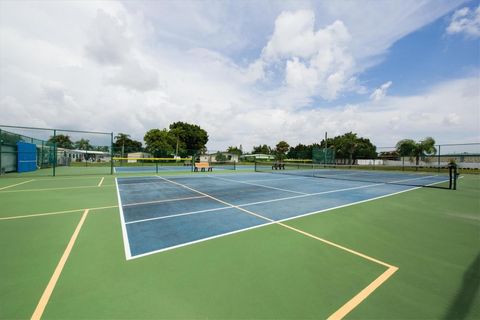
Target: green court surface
[273,272]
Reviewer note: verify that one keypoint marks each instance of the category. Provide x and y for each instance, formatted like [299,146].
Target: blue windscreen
[27,157]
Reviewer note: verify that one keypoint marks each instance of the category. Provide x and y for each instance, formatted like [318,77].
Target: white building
[212,157]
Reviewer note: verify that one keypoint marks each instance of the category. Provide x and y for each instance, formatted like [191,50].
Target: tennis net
[226,165]
[356,173]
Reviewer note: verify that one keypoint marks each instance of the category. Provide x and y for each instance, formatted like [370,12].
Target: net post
[234,165]
[450,168]
[455,176]
[111,153]
[255,166]
[156,166]
[54,150]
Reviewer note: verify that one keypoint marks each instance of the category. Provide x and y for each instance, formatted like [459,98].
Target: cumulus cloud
[315,62]
[381,91]
[466,21]
[108,42]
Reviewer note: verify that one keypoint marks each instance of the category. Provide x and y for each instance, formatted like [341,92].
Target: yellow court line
[59,188]
[37,314]
[54,213]
[101,181]
[362,295]
[17,184]
[355,301]
[336,245]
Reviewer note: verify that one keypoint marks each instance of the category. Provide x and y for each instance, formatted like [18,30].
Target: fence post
[1,142]
[111,153]
[54,150]
[439,154]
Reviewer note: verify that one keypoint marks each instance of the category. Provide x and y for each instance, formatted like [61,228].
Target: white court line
[277,179]
[178,215]
[126,243]
[198,241]
[101,181]
[17,184]
[357,202]
[258,185]
[161,201]
[310,194]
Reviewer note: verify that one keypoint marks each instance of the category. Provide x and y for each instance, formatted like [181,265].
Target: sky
[248,72]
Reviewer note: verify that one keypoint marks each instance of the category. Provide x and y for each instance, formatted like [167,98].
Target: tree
[124,144]
[83,144]
[192,137]
[301,151]
[263,149]
[62,141]
[160,143]
[410,148]
[350,146]
[281,149]
[365,149]
[234,150]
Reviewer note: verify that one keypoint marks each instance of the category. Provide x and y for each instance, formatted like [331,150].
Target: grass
[432,235]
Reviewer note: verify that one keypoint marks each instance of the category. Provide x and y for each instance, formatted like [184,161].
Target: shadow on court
[465,297]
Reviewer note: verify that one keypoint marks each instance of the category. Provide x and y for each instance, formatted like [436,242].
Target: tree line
[183,139]
[350,147]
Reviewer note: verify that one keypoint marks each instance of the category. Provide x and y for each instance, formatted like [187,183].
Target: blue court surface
[162,213]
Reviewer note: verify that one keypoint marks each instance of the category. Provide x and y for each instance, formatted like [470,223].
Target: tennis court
[231,244]
[161,213]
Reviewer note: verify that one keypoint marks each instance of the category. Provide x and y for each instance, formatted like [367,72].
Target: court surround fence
[465,155]
[57,152]
[52,154]
[92,152]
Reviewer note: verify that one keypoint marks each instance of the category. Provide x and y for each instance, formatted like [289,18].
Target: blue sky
[249,72]
[425,57]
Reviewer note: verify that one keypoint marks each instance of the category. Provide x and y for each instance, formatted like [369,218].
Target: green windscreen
[323,155]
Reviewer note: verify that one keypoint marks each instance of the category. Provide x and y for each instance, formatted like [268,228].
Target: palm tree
[410,148]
